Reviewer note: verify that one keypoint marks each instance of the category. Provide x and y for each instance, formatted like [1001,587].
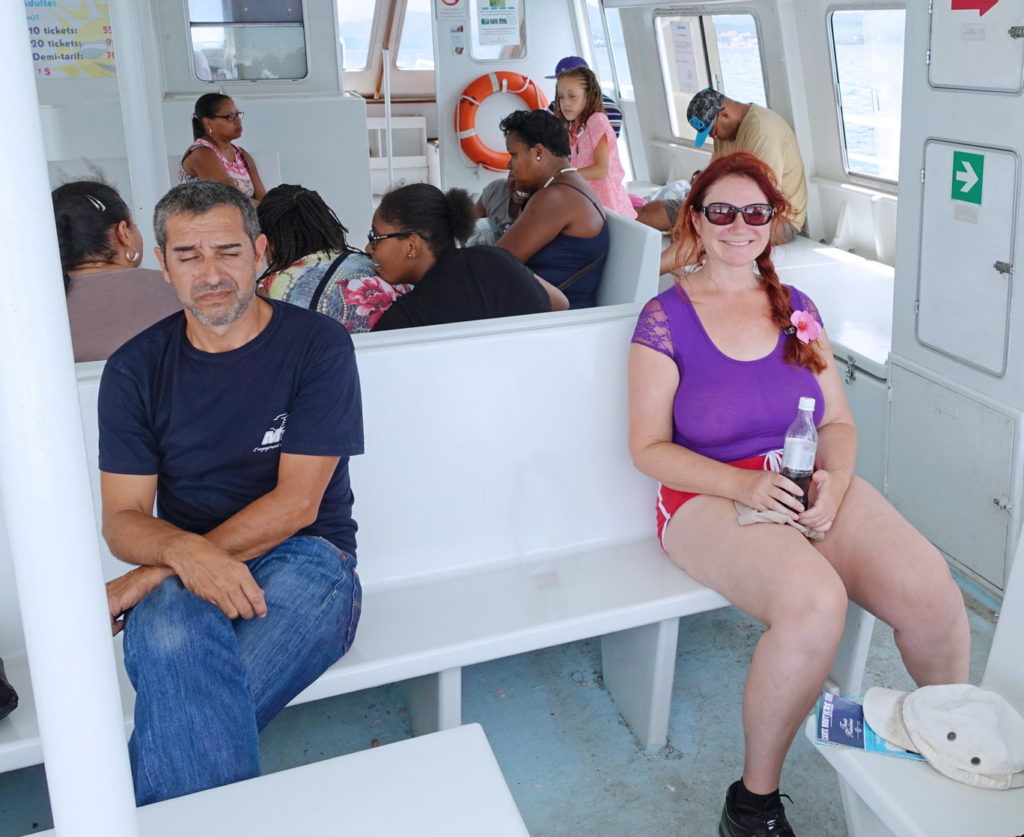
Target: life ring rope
[470,100]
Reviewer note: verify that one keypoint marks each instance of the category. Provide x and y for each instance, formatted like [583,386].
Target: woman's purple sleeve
[652,329]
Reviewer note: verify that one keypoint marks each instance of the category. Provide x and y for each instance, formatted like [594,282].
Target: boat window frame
[711,71]
[386,33]
[858,178]
[190,26]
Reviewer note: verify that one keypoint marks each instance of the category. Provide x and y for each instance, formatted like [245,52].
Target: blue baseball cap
[570,62]
[702,112]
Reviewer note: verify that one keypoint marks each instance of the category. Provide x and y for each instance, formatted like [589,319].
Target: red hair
[690,250]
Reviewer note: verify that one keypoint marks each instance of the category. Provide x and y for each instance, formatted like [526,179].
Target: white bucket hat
[969,734]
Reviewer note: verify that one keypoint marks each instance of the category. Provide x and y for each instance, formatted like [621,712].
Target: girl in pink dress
[591,138]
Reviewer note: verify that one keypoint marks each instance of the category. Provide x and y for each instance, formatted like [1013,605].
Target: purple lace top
[724,408]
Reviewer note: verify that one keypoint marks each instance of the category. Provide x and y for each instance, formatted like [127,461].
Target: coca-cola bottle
[800,447]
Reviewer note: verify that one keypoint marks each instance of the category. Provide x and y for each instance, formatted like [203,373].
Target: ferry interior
[536,665]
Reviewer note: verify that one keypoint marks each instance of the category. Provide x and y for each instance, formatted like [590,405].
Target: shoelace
[777,814]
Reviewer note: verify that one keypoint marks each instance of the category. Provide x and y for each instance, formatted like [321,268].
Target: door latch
[850,375]
[1004,267]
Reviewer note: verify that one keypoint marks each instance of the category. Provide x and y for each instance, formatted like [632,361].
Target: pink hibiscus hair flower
[806,327]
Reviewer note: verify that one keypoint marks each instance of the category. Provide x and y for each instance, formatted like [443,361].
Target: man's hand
[212,574]
[131,588]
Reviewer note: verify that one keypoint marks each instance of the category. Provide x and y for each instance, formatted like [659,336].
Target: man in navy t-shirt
[237,416]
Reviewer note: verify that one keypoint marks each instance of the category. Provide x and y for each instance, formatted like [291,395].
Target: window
[416,43]
[355,31]
[602,61]
[868,52]
[617,44]
[602,66]
[405,28]
[247,39]
[698,51]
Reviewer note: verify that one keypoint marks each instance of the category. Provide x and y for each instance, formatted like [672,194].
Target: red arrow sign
[981,6]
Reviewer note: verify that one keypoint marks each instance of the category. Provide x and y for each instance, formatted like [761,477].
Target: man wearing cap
[611,110]
[735,126]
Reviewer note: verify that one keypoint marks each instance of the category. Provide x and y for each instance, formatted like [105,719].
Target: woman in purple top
[718,364]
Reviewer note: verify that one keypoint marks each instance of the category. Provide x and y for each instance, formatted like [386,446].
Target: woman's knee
[812,609]
[936,603]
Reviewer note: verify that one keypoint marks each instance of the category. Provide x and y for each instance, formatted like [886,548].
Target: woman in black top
[413,241]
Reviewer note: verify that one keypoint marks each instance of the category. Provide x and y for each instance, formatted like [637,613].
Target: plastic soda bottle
[800,447]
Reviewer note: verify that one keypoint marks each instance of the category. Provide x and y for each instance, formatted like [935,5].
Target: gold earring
[133,256]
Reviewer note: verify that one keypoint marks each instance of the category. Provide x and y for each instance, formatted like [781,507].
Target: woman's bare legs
[772,573]
[891,570]
[873,556]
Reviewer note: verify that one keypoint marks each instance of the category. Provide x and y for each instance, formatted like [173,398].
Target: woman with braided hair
[310,263]
[718,364]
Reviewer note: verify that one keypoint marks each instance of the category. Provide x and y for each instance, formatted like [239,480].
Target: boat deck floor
[572,764]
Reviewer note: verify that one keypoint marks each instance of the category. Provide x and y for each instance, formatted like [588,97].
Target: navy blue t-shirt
[212,427]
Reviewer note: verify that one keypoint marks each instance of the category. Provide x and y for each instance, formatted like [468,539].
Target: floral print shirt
[353,295]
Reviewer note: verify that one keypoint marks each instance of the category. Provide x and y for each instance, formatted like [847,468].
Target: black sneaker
[743,822]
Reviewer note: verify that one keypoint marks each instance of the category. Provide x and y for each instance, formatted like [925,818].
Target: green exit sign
[968,176]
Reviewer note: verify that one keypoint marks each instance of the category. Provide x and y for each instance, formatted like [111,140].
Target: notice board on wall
[70,38]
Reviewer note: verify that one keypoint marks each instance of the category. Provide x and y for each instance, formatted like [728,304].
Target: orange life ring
[465,113]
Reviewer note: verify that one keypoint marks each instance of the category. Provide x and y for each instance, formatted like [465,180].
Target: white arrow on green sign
[968,176]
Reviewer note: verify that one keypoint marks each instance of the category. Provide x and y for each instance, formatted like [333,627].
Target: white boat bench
[448,783]
[499,512]
[884,796]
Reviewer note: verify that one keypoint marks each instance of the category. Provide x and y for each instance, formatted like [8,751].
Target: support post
[435,701]
[638,666]
[45,499]
[141,113]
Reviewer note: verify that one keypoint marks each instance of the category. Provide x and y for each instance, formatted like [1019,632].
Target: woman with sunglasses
[413,241]
[718,364]
[216,123]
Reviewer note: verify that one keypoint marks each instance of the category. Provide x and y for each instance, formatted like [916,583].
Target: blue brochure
[840,723]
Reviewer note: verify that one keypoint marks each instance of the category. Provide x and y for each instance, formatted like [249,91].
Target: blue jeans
[206,685]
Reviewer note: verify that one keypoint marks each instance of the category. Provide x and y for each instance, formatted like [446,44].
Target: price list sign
[71,39]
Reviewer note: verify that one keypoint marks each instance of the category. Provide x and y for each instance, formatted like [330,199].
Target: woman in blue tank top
[562,233]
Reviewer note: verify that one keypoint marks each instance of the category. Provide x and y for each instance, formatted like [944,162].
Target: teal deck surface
[573,766]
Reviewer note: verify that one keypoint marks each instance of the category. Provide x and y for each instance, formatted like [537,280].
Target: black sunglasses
[754,214]
[372,237]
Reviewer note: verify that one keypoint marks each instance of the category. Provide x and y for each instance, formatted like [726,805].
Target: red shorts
[670,500]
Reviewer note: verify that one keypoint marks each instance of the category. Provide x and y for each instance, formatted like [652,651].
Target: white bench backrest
[1004,671]
[532,457]
[631,269]
[484,441]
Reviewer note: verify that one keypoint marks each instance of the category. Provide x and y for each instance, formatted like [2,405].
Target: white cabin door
[966,265]
[977,45]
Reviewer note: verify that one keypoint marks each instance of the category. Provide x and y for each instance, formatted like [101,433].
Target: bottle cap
[807,404]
